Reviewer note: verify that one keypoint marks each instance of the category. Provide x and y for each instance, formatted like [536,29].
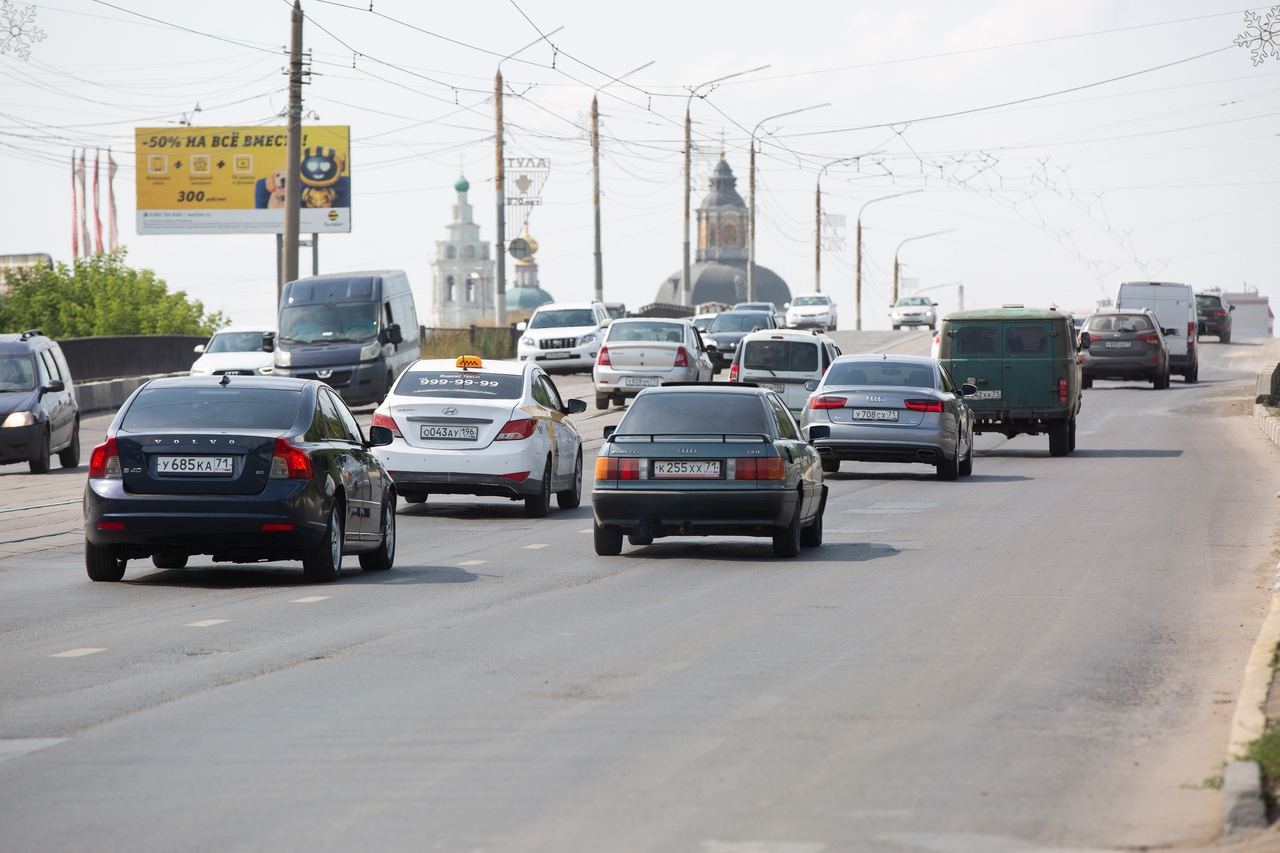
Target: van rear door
[1031,371]
[976,357]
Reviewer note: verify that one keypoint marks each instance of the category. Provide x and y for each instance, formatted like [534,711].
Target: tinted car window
[350,428]
[1119,323]
[458,383]
[780,355]
[697,413]
[212,408]
[1027,340]
[564,317]
[784,424]
[669,332]
[739,322]
[879,373]
[235,342]
[977,340]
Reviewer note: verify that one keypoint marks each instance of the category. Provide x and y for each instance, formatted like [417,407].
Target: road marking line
[205,623]
[310,599]
[534,547]
[588,530]
[76,653]
[473,563]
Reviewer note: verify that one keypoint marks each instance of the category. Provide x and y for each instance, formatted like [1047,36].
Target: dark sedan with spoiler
[243,469]
[707,459]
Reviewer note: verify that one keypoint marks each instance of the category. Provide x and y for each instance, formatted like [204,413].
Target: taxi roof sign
[465,361]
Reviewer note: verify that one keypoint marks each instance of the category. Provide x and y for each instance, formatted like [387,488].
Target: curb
[1243,806]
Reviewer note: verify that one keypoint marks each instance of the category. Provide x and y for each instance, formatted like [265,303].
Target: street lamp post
[817,222]
[895,257]
[751,206]
[686,286]
[857,253]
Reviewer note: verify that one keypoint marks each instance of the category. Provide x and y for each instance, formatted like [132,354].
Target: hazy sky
[1063,146]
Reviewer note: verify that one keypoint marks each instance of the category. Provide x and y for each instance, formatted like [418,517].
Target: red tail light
[603,358]
[753,468]
[518,476]
[1062,390]
[1191,334]
[290,462]
[923,405]
[733,372]
[682,358]
[388,422]
[516,430]
[104,462]
[827,402]
[1150,338]
[610,468]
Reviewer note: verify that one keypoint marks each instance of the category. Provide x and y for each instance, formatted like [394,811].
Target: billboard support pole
[293,154]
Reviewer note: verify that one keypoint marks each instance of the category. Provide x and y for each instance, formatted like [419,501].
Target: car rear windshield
[889,373]
[739,322]
[796,356]
[1119,323]
[668,332]
[696,413]
[563,318]
[1205,301]
[460,383]
[215,407]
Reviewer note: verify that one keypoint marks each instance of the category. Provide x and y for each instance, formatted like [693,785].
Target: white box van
[1175,308]
[783,360]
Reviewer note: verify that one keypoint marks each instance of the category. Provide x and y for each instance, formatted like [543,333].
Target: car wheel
[1224,338]
[39,464]
[414,497]
[811,536]
[69,457]
[1160,382]
[385,556]
[323,563]
[830,465]
[787,542]
[608,539]
[966,464]
[536,506]
[896,327]
[1190,378]
[571,498]
[1059,438]
[1072,432]
[1086,382]
[602,401]
[101,563]
[949,469]
[169,561]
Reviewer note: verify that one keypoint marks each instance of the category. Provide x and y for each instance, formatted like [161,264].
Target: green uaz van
[1025,365]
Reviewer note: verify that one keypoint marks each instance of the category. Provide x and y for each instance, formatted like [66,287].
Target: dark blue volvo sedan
[243,469]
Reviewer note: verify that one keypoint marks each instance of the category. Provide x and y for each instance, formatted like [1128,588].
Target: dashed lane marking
[534,547]
[76,653]
[310,599]
[472,563]
[205,623]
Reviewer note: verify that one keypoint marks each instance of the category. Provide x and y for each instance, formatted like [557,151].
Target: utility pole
[595,192]
[857,266]
[293,156]
[499,185]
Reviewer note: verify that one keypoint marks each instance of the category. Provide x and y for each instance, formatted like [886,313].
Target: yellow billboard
[231,180]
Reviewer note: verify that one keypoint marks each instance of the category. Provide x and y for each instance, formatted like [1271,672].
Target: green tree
[100,295]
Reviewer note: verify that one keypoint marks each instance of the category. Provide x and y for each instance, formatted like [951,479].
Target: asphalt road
[1039,657]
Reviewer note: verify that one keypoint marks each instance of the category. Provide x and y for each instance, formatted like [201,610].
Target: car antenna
[226,379]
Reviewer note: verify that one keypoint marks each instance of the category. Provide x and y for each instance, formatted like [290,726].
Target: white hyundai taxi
[476,427]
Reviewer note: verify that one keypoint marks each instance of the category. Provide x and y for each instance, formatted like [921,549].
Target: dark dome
[725,281]
[723,188]
[527,298]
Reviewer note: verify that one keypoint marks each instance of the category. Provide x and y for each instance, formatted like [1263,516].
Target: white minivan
[1175,308]
[783,360]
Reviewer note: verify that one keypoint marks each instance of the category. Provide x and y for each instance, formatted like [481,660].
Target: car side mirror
[1085,340]
[1231,307]
[819,431]
[1169,333]
[609,431]
[811,385]
[968,389]
[574,406]
[268,341]
[786,305]
[521,326]
[199,349]
[379,436]
[55,385]
[393,334]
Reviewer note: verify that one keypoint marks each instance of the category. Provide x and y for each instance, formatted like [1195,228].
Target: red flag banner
[97,217]
[84,212]
[112,234]
[75,210]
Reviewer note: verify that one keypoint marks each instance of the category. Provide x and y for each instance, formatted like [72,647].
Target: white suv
[564,335]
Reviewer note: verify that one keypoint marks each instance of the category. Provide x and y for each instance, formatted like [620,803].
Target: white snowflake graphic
[1260,35]
[18,30]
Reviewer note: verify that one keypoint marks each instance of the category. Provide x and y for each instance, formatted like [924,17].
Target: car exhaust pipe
[926,455]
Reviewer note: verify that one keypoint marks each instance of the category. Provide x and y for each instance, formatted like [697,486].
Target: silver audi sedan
[892,408]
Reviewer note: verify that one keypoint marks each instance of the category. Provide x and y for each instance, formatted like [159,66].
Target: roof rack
[31,333]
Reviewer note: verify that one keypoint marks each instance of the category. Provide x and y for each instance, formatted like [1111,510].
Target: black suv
[38,411]
[1213,316]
